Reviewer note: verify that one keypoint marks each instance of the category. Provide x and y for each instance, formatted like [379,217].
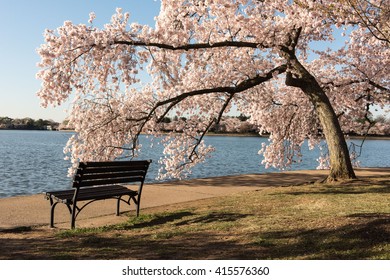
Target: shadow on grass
[17,229]
[277,179]
[360,240]
[214,217]
[265,180]
[354,187]
[157,220]
[366,237]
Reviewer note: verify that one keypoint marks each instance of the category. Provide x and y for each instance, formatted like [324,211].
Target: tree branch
[192,46]
[242,86]
[213,121]
[382,88]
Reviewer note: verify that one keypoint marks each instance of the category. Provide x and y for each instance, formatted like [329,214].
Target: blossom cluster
[205,58]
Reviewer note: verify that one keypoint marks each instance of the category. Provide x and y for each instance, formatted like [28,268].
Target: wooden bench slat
[105,189]
[64,197]
[93,193]
[91,176]
[110,169]
[137,164]
[109,194]
[97,182]
[89,190]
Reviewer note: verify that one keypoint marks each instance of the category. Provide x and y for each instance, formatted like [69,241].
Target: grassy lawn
[339,221]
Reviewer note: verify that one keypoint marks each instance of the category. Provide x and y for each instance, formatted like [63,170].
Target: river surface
[33,161]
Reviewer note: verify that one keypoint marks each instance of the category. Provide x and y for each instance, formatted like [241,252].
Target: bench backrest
[109,173]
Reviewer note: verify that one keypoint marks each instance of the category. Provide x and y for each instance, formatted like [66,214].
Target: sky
[22,24]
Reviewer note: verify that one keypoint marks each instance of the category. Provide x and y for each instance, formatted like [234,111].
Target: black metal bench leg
[117,205]
[138,204]
[73,217]
[53,206]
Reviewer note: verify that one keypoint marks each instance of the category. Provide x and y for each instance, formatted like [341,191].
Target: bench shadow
[158,220]
[209,218]
[214,217]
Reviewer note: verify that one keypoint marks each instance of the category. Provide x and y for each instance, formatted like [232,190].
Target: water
[32,161]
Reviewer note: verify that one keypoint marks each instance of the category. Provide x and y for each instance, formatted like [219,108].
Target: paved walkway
[34,211]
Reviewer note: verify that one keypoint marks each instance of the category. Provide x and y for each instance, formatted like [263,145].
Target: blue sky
[22,23]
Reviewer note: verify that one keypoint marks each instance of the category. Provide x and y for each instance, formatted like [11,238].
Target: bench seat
[91,193]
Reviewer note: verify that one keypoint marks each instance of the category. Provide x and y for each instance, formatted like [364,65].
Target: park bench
[95,181]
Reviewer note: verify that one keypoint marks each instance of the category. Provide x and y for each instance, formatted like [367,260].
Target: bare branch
[213,121]
[374,84]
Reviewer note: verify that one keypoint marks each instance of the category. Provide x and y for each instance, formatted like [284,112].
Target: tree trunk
[340,161]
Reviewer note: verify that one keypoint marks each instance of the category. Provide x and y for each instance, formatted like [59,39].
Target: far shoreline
[226,134]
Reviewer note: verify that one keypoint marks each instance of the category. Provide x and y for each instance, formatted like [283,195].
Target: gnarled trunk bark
[340,161]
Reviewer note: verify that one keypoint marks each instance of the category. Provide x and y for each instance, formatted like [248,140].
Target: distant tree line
[28,124]
[228,125]
[379,126]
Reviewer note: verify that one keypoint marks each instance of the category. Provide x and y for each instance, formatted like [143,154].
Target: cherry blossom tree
[204,57]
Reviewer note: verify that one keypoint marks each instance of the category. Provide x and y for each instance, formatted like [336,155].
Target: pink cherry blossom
[206,57]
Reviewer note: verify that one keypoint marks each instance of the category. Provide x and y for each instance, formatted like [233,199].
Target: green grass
[344,221]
